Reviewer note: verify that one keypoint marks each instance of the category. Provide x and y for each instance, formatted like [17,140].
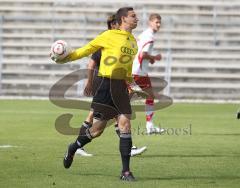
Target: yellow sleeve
[90,48]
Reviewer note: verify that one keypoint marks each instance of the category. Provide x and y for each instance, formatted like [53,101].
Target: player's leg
[125,146]
[133,88]
[149,109]
[86,124]
[83,139]
[120,98]
[134,150]
[151,128]
[117,130]
[145,83]
[85,135]
[90,117]
[99,86]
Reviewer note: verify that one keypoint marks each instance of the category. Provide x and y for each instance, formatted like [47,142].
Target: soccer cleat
[83,153]
[68,158]
[151,129]
[158,130]
[155,130]
[127,176]
[137,151]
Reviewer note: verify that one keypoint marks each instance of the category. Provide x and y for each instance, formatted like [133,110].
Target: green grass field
[209,157]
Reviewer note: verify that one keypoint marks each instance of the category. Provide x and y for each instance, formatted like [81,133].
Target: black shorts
[110,98]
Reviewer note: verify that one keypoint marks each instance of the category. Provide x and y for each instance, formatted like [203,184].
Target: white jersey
[145,44]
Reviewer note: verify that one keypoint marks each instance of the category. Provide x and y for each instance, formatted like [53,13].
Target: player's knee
[124,123]
[125,127]
[96,131]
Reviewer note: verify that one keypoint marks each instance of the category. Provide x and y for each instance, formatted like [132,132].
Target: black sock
[81,141]
[84,138]
[117,130]
[86,125]
[125,150]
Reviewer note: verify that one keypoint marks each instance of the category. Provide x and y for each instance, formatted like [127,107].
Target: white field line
[8,146]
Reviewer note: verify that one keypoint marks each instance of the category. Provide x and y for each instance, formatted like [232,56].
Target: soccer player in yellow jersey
[111,98]
[93,67]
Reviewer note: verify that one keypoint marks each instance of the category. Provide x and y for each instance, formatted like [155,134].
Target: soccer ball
[59,50]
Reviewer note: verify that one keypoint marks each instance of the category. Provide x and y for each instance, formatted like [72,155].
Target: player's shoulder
[119,32]
[104,32]
[116,33]
[112,31]
[108,33]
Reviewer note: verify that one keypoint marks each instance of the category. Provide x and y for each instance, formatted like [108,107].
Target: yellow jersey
[118,51]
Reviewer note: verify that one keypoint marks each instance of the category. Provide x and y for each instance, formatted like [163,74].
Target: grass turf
[208,155]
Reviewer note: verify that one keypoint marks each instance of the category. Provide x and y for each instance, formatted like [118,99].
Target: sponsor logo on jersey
[127,50]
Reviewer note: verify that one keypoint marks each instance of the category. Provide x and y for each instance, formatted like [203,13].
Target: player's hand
[55,59]
[152,61]
[88,89]
[158,57]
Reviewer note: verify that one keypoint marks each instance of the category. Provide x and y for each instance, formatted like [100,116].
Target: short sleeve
[147,47]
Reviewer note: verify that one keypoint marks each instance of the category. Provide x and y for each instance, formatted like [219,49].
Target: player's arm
[88,49]
[151,58]
[88,88]
[146,49]
[78,53]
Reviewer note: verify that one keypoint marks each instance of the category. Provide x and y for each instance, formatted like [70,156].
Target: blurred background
[199,41]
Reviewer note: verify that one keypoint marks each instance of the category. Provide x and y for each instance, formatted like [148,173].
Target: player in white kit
[140,68]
